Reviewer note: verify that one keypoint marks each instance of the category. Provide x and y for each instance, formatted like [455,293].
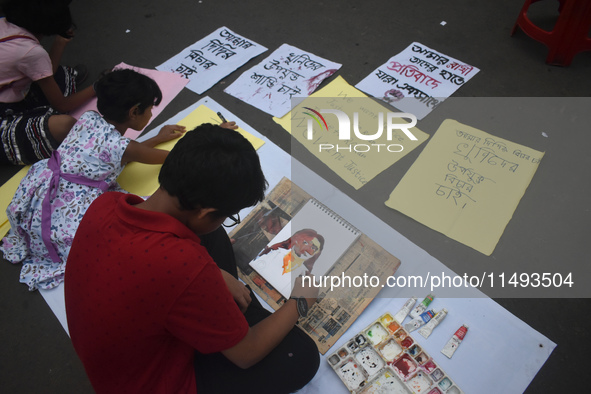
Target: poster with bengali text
[212,58]
[417,79]
[466,184]
[288,72]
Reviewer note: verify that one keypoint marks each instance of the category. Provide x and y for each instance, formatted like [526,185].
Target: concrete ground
[550,228]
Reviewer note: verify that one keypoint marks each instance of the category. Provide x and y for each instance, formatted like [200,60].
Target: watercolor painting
[309,244]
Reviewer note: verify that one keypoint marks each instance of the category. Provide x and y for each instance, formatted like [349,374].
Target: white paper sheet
[288,72]
[417,79]
[212,58]
[500,354]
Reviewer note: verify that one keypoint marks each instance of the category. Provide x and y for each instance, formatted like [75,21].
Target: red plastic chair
[570,34]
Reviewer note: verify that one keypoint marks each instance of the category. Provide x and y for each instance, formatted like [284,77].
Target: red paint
[405,365]
[407,342]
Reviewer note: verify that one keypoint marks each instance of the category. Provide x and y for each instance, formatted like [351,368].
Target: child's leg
[60,126]
[289,367]
[66,80]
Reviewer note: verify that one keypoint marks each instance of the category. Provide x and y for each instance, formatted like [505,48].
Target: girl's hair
[120,90]
[44,17]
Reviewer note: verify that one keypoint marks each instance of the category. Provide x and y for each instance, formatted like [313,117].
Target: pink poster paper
[170,84]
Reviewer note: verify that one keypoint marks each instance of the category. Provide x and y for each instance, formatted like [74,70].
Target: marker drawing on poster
[417,79]
[212,58]
[288,72]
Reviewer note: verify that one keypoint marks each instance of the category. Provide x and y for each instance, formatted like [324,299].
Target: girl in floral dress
[52,198]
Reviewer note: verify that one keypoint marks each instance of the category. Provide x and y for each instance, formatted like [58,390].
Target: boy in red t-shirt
[152,296]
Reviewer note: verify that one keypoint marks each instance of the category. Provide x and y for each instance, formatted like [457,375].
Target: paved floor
[549,228]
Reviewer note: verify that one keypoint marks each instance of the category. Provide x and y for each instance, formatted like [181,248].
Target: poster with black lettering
[288,72]
[212,58]
[417,79]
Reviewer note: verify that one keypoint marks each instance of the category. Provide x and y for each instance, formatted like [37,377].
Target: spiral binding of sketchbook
[335,216]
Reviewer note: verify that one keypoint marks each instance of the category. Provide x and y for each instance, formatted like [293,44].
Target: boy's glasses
[231,220]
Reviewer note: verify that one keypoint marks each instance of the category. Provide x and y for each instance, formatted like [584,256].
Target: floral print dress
[92,149]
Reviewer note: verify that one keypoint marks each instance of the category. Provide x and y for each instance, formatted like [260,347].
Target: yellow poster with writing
[142,179]
[369,148]
[466,184]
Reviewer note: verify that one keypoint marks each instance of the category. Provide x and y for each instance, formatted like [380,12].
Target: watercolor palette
[383,358]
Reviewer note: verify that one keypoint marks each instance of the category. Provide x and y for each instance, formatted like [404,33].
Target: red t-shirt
[142,295]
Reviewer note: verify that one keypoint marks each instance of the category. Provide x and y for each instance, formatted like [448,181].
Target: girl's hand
[229,125]
[170,132]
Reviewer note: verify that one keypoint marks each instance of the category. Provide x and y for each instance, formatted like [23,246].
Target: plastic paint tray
[376,361]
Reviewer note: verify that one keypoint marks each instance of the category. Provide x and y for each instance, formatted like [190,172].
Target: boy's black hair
[213,167]
[120,90]
[41,17]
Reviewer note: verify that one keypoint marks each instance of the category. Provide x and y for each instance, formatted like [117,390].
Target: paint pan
[406,342]
[420,383]
[352,346]
[435,391]
[405,310]
[422,307]
[452,345]
[389,383]
[414,350]
[400,334]
[386,319]
[454,390]
[390,350]
[351,374]
[422,358]
[427,329]
[360,340]
[334,359]
[437,375]
[370,360]
[430,366]
[405,367]
[376,334]
[445,384]
[343,353]
[394,326]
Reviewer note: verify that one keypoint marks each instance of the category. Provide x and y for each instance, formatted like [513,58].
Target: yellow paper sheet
[142,179]
[466,184]
[365,159]
[6,193]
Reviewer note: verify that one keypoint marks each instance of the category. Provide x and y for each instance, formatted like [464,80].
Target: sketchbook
[291,233]
[311,242]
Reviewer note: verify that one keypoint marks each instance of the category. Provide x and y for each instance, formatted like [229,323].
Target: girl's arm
[146,153]
[56,51]
[56,98]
